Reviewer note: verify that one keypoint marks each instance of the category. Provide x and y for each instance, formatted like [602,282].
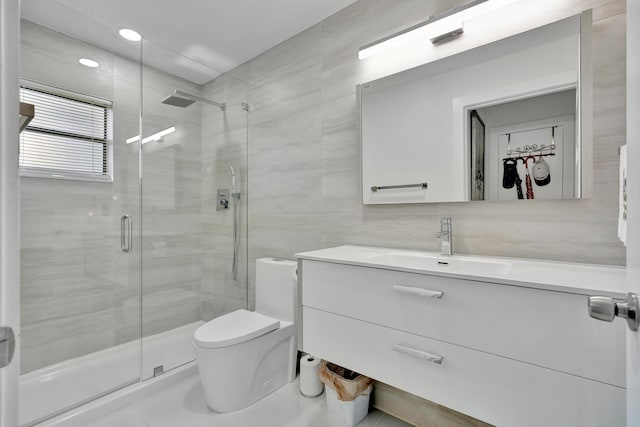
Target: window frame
[42,172]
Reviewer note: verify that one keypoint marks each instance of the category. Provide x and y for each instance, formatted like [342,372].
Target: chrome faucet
[446,237]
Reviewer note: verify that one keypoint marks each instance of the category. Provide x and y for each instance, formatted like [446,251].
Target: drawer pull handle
[418,354]
[418,291]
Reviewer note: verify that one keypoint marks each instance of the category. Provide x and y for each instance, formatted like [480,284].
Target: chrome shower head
[183,99]
[178,101]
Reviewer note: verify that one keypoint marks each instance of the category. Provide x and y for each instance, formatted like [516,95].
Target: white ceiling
[194,39]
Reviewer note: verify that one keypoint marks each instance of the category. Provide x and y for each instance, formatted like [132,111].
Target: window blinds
[67,137]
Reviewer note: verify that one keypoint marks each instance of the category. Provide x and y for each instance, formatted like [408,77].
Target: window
[69,137]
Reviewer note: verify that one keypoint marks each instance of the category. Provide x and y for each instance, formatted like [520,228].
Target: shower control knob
[222,199]
[607,309]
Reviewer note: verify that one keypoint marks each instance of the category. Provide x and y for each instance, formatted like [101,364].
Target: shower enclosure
[124,252]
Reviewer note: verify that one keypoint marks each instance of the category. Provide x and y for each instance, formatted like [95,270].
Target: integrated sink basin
[453,264]
[583,279]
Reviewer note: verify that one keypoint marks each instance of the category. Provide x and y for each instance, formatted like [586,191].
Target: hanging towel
[622,215]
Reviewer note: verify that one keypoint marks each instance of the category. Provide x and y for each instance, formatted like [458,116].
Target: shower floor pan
[49,391]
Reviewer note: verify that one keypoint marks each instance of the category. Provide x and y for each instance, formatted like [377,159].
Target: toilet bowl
[245,355]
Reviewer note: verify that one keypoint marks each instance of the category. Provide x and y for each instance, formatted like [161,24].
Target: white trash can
[350,413]
[347,394]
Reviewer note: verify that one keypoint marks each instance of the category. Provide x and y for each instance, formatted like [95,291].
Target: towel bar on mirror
[422,185]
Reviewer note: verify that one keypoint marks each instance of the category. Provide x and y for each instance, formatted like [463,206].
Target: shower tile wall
[80,293]
[304,156]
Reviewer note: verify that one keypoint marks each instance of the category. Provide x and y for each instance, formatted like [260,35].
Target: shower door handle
[7,346]
[126,233]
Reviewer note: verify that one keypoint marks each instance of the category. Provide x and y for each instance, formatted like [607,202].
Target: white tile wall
[224,144]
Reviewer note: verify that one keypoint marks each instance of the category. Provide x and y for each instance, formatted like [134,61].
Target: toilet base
[237,376]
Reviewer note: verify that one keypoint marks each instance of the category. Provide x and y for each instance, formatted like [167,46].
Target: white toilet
[244,355]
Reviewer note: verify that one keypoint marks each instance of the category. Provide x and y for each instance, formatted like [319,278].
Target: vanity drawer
[546,328]
[494,389]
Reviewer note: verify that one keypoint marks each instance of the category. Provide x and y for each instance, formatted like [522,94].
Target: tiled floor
[183,405]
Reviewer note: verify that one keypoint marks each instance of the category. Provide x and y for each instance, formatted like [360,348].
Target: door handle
[607,309]
[7,346]
[126,233]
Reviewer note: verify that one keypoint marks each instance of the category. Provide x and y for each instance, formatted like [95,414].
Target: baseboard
[417,411]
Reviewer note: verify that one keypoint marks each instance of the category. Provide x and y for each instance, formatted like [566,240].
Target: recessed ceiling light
[129,34]
[88,62]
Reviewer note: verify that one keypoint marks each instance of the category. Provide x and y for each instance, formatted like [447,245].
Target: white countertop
[586,279]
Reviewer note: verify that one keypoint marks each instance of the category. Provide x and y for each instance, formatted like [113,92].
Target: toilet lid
[234,328]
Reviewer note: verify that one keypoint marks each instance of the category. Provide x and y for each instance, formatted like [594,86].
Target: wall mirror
[497,122]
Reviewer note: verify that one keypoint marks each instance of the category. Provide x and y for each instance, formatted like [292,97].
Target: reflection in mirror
[478,141]
[473,125]
[525,149]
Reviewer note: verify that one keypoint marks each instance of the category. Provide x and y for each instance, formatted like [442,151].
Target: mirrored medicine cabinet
[503,121]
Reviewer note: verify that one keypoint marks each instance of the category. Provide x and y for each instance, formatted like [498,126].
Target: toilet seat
[234,328]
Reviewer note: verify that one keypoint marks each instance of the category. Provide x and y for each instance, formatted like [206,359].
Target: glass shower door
[80,221]
[190,143]
[171,265]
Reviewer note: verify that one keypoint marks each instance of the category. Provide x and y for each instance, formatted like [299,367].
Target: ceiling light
[130,35]
[88,62]
[437,29]
[155,137]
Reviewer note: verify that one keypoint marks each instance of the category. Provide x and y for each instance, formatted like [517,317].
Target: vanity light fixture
[437,29]
[88,62]
[130,34]
[155,137]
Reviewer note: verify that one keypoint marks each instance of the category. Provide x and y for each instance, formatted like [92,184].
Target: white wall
[633,254]
[530,109]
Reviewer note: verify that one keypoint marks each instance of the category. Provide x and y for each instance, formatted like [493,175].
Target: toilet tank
[277,288]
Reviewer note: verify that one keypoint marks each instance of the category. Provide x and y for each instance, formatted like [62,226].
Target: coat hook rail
[530,149]
[523,158]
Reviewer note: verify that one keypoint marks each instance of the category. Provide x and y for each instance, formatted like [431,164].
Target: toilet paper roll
[310,384]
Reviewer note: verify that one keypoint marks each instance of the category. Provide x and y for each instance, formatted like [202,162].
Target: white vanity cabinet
[507,355]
